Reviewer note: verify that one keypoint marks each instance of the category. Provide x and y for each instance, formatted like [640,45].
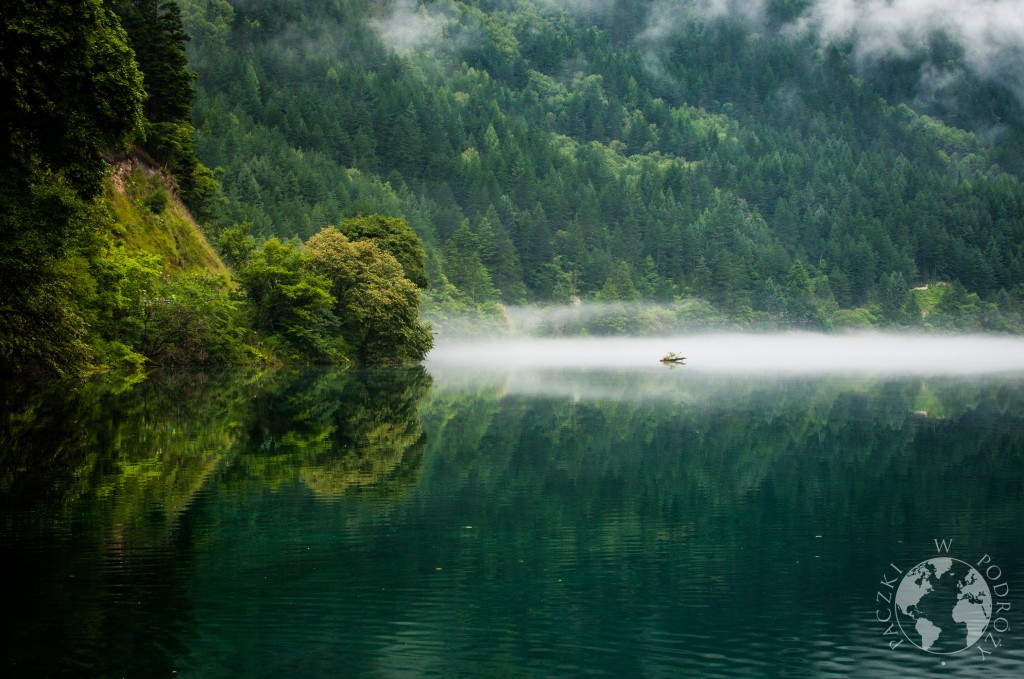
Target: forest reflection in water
[485,522]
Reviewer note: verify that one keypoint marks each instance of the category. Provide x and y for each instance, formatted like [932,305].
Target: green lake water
[466,523]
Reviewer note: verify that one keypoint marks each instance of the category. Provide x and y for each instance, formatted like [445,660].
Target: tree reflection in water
[96,482]
[337,432]
[327,522]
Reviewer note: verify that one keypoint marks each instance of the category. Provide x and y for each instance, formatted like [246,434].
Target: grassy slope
[146,222]
[928,298]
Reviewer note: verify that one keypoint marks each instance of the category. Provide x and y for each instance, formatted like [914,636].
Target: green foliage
[465,270]
[532,151]
[236,245]
[854,319]
[619,286]
[140,317]
[377,305]
[957,309]
[114,291]
[193,322]
[526,154]
[157,201]
[893,297]
[622,316]
[97,289]
[71,90]
[305,320]
[149,219]
[291,304]
[157,35]
[208,20]
[801,307]
[43,331]
[395,237]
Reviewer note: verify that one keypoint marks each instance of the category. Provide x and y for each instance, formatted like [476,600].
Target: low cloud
[409,25]
[987,29]
[990,32]
[749,10]
[664,17]
[742,354]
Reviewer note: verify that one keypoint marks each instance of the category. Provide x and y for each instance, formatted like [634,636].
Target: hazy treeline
[767,161]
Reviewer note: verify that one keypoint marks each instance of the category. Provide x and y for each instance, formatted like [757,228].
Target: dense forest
[682,163]
[105,268]
[620,151]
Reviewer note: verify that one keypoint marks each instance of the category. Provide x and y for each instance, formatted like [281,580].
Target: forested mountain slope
[104,267]
[617,150]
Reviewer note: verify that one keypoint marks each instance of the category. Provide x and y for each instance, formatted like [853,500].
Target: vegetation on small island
[352,159]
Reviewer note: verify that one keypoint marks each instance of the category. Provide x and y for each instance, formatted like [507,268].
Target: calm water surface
[458,521]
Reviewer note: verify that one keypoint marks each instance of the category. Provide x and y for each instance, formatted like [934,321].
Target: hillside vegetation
[625,150]
[149,218]
[105,266]
[684,163]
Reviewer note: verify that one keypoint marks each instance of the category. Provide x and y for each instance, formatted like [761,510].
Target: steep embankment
[151,219]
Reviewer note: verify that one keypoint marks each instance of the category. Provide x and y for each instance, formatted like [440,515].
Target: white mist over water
[747,354]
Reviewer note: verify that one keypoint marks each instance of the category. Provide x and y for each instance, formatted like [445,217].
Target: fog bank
[991,32]
[782,353]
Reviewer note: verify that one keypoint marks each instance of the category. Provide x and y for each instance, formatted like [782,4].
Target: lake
[509,510]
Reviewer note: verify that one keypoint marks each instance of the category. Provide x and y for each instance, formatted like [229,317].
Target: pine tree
[156,33]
